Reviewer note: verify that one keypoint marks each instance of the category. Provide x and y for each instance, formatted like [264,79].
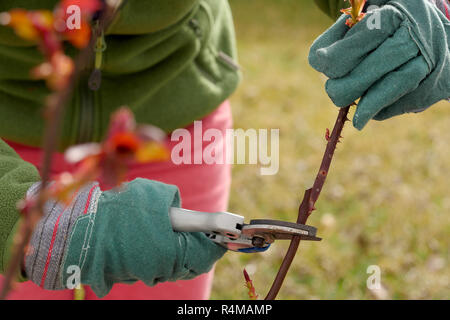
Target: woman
[174,62]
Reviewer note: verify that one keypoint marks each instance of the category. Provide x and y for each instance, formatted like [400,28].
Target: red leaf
[249,284]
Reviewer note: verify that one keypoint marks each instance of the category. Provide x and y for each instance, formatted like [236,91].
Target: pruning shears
[229,230]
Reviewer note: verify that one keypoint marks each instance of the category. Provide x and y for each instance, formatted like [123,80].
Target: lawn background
[386,201]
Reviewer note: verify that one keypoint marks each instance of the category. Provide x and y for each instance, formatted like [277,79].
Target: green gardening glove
[397,60]
[104,238]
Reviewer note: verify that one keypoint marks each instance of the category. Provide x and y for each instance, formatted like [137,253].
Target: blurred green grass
[386,201]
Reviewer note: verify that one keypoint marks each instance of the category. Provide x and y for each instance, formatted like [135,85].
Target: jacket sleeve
[141,17]
[332,7]
[16,176]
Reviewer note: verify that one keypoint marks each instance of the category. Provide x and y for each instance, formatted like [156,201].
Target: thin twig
[311,195]
[309,200]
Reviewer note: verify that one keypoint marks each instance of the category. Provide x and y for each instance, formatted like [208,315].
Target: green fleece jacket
[171,62]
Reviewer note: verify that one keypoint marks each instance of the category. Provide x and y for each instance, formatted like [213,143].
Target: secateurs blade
[229,230]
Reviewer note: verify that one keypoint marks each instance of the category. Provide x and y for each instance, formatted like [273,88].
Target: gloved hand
[400,65]
[108,237]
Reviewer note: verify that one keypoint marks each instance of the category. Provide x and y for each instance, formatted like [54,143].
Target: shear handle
[219,223]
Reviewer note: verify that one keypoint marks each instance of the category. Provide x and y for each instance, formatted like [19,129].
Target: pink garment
[203,187]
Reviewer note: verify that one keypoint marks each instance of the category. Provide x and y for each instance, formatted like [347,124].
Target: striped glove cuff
[444,6]
[46,252]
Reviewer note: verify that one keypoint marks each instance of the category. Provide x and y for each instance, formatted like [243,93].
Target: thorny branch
[309,200]
[54,112]
[311,195]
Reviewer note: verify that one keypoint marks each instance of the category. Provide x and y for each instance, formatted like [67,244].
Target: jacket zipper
[88,89]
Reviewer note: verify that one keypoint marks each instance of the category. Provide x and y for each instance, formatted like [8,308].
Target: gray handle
[219,223]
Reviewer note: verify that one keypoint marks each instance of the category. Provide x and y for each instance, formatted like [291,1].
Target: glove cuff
[45,254]
[444,6]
